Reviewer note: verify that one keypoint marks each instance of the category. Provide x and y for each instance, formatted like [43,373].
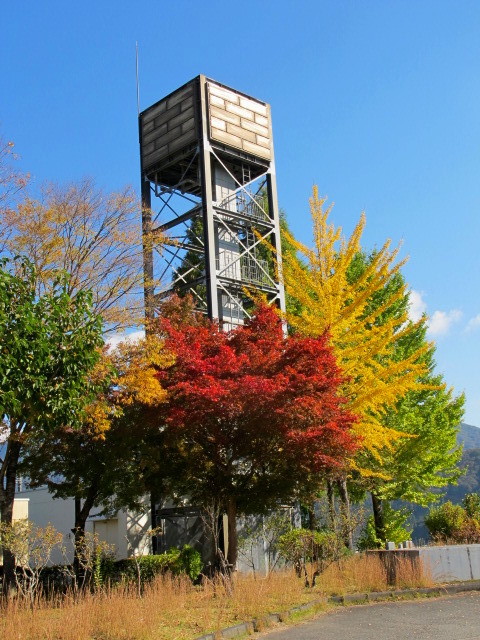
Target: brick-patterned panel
[239,122]
[167,126]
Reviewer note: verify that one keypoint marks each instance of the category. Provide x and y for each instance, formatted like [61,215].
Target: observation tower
[209,200]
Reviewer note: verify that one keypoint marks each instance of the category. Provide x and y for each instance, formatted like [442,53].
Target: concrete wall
[448,563]
[452,562]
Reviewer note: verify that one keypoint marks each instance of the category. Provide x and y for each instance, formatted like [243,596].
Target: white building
[126,532]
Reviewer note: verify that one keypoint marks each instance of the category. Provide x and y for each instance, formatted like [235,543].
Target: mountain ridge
[469,436]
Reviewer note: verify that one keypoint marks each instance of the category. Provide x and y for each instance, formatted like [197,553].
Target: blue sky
[378,102]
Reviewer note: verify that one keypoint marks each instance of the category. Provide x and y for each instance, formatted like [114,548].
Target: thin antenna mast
[138,82]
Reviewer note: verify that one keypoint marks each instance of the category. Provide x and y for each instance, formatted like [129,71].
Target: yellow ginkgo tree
[327,299]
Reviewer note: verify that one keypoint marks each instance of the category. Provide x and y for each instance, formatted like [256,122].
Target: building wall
[20,508]
[126,532]
[44,510]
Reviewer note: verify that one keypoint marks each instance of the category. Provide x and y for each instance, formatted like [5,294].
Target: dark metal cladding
[167,127]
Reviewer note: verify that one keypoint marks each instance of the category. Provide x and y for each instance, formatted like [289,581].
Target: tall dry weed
[174,609]
[170,608]
[366,573]
[411,574]
[357,573]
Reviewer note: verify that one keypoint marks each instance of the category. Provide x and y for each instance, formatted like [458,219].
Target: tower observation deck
[209,200]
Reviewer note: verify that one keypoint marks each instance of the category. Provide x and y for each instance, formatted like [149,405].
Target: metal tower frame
[205,238]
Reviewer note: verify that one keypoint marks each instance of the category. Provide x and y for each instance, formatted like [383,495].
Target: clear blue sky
[378,102]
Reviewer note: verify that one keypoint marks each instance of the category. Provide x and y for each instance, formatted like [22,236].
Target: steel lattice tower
[207,159]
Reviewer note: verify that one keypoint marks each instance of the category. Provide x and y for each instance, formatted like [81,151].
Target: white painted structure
[20,508]
[126,532]
[447,563]
[450,563]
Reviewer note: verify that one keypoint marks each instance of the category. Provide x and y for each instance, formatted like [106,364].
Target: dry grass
[173,609]
[364,573]
[169,609]
[411,575]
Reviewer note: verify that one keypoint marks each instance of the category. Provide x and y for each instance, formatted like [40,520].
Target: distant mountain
[469,436]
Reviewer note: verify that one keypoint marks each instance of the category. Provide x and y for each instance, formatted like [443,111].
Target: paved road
[452,618]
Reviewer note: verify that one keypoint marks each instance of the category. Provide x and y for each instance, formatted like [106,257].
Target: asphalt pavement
[449,618]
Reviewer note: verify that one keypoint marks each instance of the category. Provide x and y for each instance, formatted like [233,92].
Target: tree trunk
[153,518]
[331,505]
[312,518]
[378,517]
[79,536]
[232,553]
[7,497]
[81,514]
[345,510]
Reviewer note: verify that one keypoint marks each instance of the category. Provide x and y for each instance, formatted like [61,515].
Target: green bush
[190,562]
[302,546]
[455,523]
[175,561]
[445,521]
[471,504]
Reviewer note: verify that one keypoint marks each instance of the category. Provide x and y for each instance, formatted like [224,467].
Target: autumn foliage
[329,298]
[252,417]
[91,235]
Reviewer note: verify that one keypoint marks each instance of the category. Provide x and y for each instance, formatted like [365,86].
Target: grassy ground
[174,609]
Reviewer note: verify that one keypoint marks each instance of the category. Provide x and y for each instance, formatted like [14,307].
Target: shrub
[302,546]
[469,533]
[190,562]
[32,548]
[471,504]
[445,521]
[185,561]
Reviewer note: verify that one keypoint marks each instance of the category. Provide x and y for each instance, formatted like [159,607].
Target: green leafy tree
[289,251]
[102,466]
[414,467]
[417,467]
[394,529]
[49,349]
[469,482]
[471,504]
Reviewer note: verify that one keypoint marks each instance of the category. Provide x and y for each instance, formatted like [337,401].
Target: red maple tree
[253,417]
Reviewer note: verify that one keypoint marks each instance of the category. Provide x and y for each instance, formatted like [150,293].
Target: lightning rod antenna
[138,82]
